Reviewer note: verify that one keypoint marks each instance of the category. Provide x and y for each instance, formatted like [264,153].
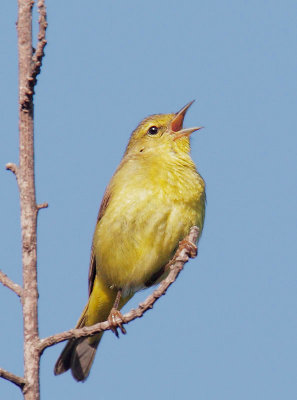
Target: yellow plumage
[155,196]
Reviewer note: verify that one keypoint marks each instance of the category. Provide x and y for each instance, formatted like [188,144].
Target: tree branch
[175,265]
[17,380]
[29,68]
[41,206]
[17,289]
[13,168]
[39,53]
[34,63]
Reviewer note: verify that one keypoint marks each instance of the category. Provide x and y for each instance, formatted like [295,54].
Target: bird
[153,199]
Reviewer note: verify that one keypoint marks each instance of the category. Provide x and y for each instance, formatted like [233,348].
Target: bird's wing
[92,267]
[156,277]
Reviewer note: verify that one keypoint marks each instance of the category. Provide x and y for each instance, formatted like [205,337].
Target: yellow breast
[154,202]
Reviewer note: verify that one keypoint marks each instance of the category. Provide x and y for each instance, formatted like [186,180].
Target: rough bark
[25,178]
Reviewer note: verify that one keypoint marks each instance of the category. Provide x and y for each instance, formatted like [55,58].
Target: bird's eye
[153,130]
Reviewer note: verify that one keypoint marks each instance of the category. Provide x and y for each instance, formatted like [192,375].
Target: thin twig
[42,205]
[17,380]
[27,90]
[39,53]
[17,289]
[13,168]
[181,257]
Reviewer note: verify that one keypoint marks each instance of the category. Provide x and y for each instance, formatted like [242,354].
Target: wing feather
[92,267]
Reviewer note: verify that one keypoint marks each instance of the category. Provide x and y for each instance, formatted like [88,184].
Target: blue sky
[227,328]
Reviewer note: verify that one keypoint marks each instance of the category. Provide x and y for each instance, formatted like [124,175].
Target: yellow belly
[140,231]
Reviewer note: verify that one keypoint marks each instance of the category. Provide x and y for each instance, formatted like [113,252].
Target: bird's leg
[114,314]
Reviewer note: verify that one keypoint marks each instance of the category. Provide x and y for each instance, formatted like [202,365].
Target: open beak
[176,125]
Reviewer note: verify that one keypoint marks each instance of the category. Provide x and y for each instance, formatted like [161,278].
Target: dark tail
[78,355]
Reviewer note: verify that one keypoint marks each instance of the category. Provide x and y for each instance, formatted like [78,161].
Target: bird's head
[162,131]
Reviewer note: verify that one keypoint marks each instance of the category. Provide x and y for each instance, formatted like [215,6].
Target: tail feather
[83,358]
[78,354]
[64,361]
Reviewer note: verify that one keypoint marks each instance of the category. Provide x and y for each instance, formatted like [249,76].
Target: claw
[189,246]
[114,325]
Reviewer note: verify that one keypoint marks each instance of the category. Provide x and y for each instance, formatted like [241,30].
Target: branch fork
[29,68]
[17,289]
[17,380]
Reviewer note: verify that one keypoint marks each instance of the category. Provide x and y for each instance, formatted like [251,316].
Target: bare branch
[29,68]
[39,53]
[13,168]
[17,289]
[176,265]
[32,64]
[17,380]
[42,205]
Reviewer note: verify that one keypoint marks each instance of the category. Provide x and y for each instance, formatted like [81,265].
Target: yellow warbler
[155,196]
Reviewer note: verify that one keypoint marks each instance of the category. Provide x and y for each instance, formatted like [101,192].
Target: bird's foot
[189,246]
[114,325]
